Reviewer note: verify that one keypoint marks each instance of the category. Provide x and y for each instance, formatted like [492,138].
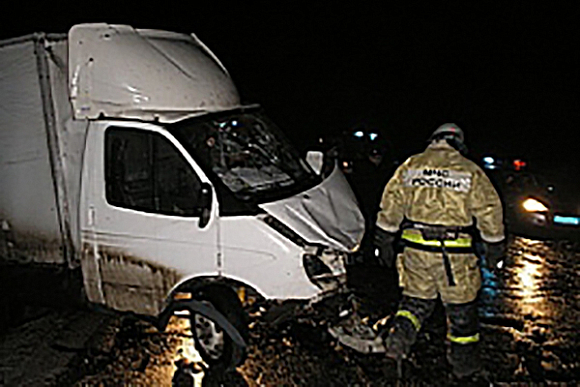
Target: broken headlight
[325,268]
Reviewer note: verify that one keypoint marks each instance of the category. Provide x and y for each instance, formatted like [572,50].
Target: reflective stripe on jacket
[414,237]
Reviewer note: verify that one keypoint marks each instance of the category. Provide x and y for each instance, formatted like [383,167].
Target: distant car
[538,205]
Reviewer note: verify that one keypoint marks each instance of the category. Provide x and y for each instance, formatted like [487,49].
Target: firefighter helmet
[452,134]
[448,131]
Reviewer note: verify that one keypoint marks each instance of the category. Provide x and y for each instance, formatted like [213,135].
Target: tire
[215,347]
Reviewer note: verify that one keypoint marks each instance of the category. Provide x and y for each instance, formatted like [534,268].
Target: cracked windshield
[246,152]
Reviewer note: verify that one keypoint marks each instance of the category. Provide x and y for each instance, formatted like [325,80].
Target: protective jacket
[441,188]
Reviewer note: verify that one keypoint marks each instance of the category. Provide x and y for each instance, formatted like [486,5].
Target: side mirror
[316,160]
[205,204]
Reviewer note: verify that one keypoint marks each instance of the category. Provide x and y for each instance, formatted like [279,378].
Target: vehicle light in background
[373,136]
[359,134]
[567,220]
[534,205]
[489,162]
[347,167]
[519,164]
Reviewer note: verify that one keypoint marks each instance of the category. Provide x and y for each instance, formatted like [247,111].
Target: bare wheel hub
[210,336]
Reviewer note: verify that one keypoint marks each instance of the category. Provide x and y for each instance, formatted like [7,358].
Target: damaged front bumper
[336,305]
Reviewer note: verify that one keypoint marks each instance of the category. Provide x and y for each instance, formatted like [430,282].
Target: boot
[401,337]
[464,359]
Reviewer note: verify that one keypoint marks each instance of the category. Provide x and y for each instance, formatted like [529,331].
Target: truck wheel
[213,344]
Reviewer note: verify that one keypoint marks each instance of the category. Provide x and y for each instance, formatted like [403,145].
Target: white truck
[127,155]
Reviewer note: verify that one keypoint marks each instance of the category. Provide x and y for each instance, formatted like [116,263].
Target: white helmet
[448,131]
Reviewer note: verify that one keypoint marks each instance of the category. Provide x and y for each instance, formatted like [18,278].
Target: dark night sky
[507,74]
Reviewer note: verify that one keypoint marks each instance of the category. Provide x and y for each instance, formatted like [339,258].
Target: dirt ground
[530,315]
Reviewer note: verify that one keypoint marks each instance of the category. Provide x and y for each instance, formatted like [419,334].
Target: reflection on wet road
[532,306]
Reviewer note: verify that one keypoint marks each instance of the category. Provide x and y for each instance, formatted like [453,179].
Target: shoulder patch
[438,178]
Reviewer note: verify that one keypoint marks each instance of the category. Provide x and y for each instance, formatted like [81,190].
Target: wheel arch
[189,295]
[195,284]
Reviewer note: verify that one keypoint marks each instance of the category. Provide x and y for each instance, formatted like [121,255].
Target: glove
[495,254]
[383,241]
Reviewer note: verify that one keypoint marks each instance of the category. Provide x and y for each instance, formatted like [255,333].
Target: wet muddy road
[530,313]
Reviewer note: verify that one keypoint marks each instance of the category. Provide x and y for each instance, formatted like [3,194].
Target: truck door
[142,228]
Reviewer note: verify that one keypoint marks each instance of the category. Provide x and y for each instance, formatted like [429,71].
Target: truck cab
[168,192]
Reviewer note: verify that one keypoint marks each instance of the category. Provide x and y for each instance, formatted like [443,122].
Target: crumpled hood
[328,213]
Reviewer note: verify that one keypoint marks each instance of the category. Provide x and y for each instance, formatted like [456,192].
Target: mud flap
[207,310]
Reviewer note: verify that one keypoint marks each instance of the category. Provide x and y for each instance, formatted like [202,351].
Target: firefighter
[440,201]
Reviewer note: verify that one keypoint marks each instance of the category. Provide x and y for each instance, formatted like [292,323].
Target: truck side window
[144,171]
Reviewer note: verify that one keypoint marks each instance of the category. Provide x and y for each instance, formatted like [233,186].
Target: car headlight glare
[534,205]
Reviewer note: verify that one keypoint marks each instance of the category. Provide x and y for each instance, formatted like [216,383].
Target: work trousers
[422,275]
